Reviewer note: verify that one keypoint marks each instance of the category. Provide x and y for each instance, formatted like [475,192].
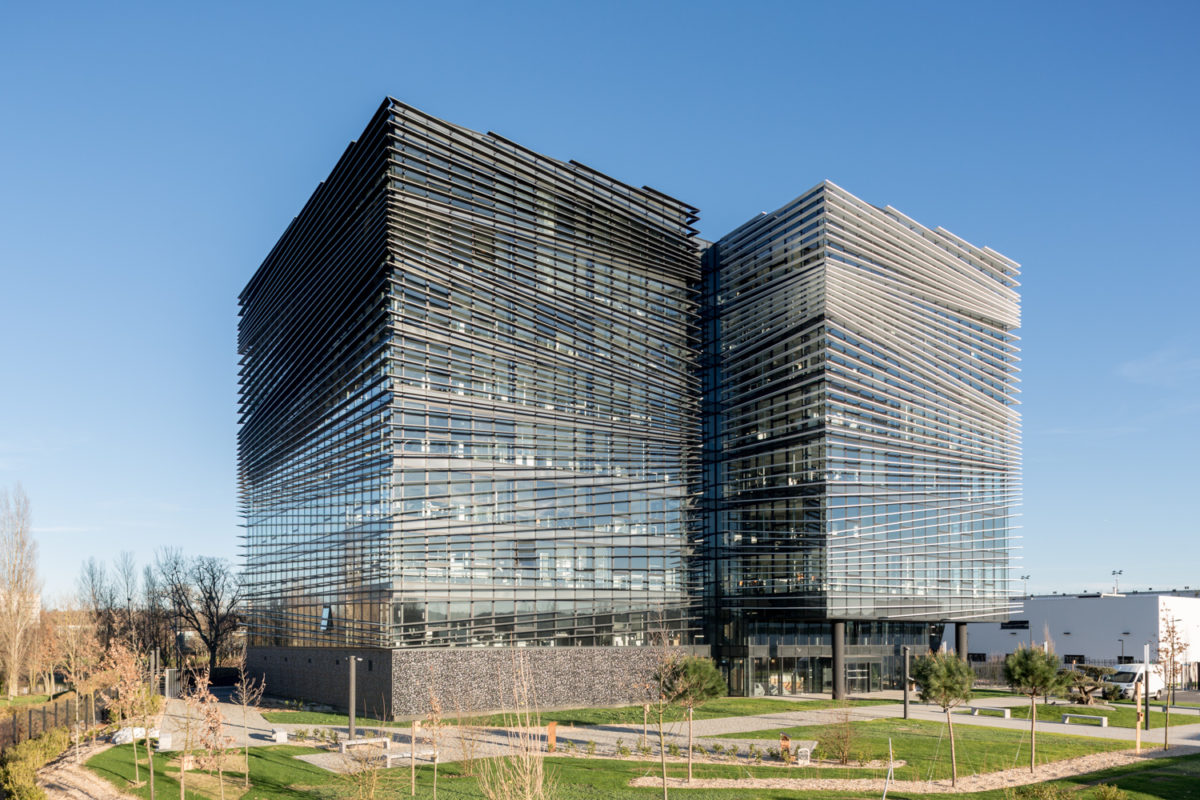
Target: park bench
[396,755]
[381,741]
[279,735]
[1066,718]
[1004,712]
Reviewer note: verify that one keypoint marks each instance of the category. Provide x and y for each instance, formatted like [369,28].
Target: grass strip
[623,715]
[277,775]
[1121,717]
[925,746]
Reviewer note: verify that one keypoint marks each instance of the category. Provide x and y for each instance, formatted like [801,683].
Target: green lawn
[1123,717]
[275,774]
[1157,779]
[323,718]
[926,748]
[1158,703]
[278,776]
[630,715]
[24,700]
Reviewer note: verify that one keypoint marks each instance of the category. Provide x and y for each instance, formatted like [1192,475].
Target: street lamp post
[353,663]
[1122,641]
[905,650]
[1025,585]
[1117,573]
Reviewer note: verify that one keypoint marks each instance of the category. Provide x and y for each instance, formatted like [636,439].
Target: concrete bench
[279,736]
[1004,712]
[1066,718]
[396,755]
[380,741]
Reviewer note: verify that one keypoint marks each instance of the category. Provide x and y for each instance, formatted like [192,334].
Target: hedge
[19,764]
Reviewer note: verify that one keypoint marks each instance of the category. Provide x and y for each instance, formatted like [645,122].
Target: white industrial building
[1093,628]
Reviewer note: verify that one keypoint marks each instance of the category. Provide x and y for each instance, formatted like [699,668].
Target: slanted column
[960,640]
[838,631]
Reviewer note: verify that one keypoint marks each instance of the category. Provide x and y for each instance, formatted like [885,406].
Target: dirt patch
[975,783]
[63,779]
[201,781]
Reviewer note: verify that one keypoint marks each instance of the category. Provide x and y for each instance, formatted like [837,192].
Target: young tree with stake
[1171,651]
[691,682]
[125,702]
[1034,672]
[944,680]
[246,693]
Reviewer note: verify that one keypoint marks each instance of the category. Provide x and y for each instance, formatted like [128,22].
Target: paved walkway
[607,739]
[175,720]
[1048,722]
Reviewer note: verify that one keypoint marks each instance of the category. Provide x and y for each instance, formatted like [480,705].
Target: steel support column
[960,640]
[838,631]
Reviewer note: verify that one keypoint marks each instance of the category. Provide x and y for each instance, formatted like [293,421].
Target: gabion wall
[493,678]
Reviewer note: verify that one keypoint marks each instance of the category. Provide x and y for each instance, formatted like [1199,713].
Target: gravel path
[63,779]
[975,783]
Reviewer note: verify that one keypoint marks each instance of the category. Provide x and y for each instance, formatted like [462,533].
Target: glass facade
[862,441]
[470,404]
[491,398]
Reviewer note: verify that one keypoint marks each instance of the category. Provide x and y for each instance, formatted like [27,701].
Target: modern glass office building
[470,405]
[861,439]
[492,400]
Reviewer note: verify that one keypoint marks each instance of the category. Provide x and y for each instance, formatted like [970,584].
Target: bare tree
[126,586]
[41,657]
[194,700]
[79,656]
[98,595]
[204,593]
[246,693]
[19,588]
[156,618]
[125,700]
[212,737]
[1171,652]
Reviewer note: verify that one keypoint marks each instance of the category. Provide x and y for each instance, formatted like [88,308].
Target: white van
[1128,676]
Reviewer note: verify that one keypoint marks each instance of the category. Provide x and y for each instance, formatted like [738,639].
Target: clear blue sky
[151,154]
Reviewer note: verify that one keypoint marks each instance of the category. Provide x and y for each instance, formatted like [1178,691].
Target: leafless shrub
[521,774]
[433,727]
[468,741]
[363,764]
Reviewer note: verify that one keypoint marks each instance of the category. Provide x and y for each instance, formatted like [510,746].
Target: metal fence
[19,723]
